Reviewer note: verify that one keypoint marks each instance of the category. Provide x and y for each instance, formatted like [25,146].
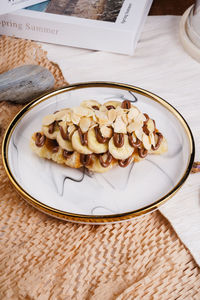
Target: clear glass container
[193,24]
[190,30]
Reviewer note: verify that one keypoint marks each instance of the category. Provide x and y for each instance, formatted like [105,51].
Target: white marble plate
[117,195]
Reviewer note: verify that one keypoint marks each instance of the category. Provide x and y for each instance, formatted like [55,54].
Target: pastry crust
[97,136]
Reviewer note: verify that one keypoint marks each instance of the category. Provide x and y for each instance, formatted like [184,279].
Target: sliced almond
[47,120]
[71,129]
[75,118]
[106,131]
[103,109]
[150,125]
[139,134]
[119,111]
[61,115]
[102,117]
[140,118]
[125,118]
[146,142]
[112,115]
[113,103]
[152,139]
[94,117]
[85,124]
[119,125]
[134,126]
[82,111]
[134,137]
[133,113]
[131,127]
[68,117]
[90,103]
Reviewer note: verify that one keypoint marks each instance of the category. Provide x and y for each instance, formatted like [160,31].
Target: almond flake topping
[47,120]
[113,103]
[134,126]
[71,129]
[119,126]
[89,103]
[112,115]
[103,109]
[62,115]
[102,117]
[139,134]
[85,124]
[134,137]
[150,125]
[152,139]
[68,117]
[82,111]
[140,118]
[133,113]
[146,142]
[75,118]
[125,118]
[119,111]
[106,131]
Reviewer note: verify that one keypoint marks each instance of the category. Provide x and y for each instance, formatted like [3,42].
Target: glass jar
[193,24]
[190,30]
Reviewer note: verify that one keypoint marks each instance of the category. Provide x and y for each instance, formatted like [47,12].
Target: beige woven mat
[44,258]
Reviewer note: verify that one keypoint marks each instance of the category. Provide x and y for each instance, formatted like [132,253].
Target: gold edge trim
[103,218]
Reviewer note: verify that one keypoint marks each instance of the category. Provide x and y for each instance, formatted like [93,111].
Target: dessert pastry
[98,136]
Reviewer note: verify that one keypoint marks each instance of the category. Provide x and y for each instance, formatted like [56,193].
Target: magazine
[7,6]
[108,25]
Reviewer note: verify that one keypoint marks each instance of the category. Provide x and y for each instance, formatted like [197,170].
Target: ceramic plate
[119,194]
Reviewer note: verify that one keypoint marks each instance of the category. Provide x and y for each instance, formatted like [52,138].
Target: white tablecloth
[160,65]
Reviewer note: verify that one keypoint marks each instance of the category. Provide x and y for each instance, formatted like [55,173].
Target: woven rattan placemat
[45,258]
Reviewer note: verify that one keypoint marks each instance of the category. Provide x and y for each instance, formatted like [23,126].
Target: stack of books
[108,25]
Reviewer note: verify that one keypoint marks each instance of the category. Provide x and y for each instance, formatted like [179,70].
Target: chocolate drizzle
[65,135]
[40,139]
[108,160]
[147,118]
[142,152]
[52,127]
[136,144]
[67,154]
[99,137]
[85,159]
[145,129]
[118,139]
[124,163]
[52,145]
[95,107]
[55,149]
[83,137]
[160,138]
[126,104]
[109,107]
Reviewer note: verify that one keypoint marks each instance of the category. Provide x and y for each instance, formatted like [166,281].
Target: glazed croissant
[98,136]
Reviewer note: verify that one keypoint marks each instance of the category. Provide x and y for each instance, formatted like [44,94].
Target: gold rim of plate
[95,218]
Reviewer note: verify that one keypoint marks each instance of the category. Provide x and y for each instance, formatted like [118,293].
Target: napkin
[160,65]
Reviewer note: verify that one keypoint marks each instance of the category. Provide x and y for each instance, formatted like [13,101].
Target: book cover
[108,25]
[7,6]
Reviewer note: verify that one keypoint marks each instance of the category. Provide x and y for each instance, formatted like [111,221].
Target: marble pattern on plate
[79,191]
